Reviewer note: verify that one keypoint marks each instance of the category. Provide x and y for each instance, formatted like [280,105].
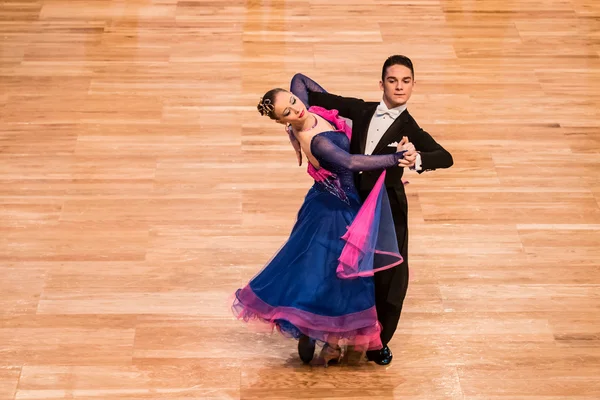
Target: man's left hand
[409,159]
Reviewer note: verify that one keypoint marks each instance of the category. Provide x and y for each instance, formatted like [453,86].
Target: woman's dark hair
[266,105]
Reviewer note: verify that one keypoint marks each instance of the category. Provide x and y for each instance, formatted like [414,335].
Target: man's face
[397,86]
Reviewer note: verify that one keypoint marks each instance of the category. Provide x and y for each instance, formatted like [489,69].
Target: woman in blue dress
[319,286]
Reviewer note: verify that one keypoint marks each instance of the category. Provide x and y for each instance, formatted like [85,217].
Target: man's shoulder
[361,102]
[369,105]
[409,120]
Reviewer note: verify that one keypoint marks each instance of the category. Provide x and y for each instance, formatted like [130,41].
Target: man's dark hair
[397,60]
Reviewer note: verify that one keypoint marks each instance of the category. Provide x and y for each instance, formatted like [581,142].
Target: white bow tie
[393,113]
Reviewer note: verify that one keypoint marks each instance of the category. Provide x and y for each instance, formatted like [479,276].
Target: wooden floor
[139,188]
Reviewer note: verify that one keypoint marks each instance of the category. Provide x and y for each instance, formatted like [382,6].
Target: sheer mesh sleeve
[325,150]
[302,85]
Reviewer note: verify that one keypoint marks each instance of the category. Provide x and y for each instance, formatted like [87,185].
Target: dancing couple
[341,278]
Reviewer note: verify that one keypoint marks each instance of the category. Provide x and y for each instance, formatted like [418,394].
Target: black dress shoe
[306,349]
[381,357]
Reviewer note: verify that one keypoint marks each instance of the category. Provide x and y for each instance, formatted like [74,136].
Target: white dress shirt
[381,121]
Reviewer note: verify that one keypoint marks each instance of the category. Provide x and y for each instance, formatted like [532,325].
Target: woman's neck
[307,124]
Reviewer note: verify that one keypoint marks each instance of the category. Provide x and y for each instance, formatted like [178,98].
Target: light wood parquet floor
[139,188]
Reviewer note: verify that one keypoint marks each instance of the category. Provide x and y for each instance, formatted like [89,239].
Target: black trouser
[391,285]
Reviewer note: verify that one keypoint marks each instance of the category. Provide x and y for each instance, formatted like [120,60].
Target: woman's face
[289,109]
